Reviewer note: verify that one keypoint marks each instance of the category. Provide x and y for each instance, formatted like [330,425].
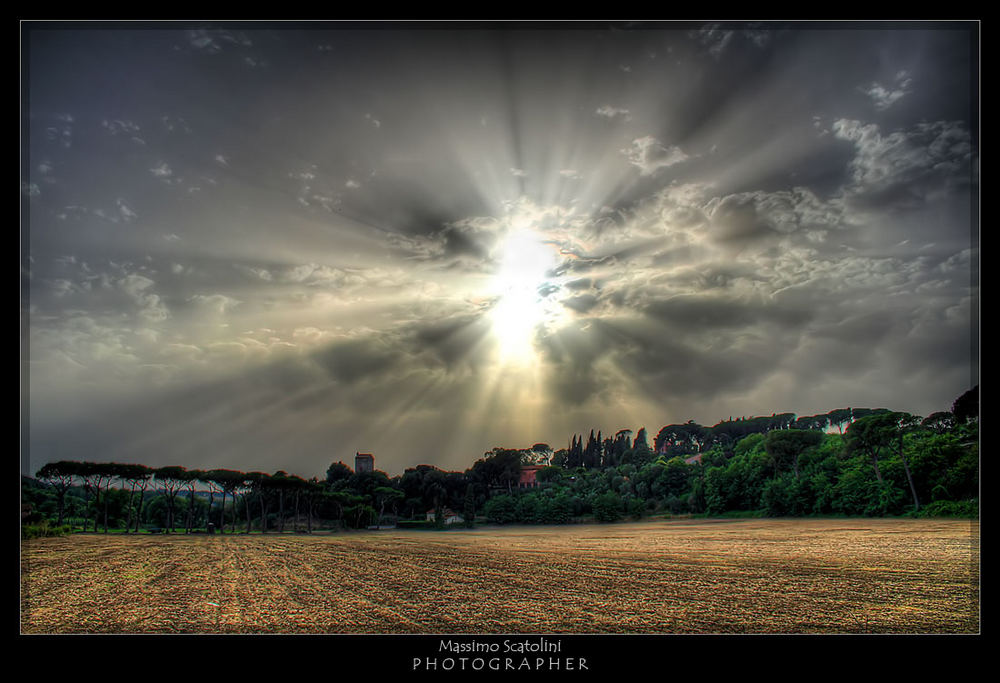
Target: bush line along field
[681,576]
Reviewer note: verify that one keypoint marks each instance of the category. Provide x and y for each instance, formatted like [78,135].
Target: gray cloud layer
[270,248]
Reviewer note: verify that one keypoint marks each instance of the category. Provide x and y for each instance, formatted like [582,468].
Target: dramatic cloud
[649,155]
[267,248]
[926,159]
[750,215]
[884,97]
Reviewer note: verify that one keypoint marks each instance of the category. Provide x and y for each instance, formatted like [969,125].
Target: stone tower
[364,462]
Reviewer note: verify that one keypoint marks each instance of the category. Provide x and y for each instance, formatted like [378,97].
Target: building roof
[447,512]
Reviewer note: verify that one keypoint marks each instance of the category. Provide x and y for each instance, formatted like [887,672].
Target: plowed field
[679,576]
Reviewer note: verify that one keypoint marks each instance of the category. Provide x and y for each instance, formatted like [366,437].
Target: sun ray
[522,301]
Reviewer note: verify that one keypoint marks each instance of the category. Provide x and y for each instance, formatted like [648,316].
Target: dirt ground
[678,576]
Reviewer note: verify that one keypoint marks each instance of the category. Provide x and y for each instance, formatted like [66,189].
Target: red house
[527,480]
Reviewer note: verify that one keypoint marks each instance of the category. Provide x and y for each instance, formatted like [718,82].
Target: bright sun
[522,304]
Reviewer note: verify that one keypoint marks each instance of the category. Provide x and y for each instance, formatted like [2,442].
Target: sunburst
[522,288]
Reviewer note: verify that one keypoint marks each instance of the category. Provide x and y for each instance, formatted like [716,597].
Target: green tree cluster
[849,461]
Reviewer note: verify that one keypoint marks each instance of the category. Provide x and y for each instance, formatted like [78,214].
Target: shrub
[44,530]
[636,506]
[560,509]
[529,510]
[776,497]
[608,507]
[886,499]
[676,505]
[500,509]
[951,508]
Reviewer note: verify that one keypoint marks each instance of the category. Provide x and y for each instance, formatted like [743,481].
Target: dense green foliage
[845,462]
[44,530]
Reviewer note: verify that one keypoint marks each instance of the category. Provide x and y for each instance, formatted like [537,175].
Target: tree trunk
[190,521]
[97,505]
[246,504]
[878,473]
[131,496]
[86,506]
[222,514]
[62,506]
[295,524]
[281,511]
[107,489]
[909,478]
[263,517]
[138,510]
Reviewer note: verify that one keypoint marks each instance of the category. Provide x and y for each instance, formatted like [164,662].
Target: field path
[695,576]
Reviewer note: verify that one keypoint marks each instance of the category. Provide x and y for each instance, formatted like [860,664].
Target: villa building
[527,480]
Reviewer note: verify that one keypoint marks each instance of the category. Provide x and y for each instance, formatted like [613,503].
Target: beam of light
[522,304]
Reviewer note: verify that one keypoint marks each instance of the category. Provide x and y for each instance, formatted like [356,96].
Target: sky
[268,246]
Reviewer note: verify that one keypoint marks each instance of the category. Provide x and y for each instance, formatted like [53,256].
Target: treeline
[691,438]
[101,496]
[878,462]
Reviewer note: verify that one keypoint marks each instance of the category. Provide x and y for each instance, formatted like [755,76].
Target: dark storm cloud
[585,361]
[573,353]
[866,329]
[353,361]
[904,167]
[452,340]
[668,368]
[415,210]
[459,243]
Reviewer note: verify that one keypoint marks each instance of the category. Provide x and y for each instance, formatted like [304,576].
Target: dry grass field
[679,576]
